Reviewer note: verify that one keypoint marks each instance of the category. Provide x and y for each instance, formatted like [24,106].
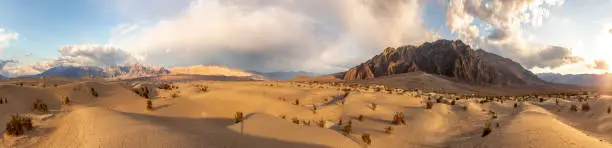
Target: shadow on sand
[214,132]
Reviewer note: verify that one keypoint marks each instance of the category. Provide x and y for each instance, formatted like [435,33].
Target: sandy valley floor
[118,118]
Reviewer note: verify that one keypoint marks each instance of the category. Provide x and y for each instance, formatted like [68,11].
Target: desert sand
[189,117]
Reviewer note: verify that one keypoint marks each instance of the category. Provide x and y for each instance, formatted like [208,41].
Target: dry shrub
[149,105]
[389,130]
[175,94]
[283,117]
[429,105]
[360,118]
[94,92]
[374,106]
[40,106]
[398,118]
[66,101]
[239,117]
[487,129]
[314,108]
[203,89]
[515,105]
[295,120]
[586,107]
[609,110]
[366,139]
[142,91]
[340,121]
[297,102]
[321,123]
[452,102]
[18,125]
[348,128]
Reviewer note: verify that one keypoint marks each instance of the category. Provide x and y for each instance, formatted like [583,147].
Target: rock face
[73,71]
[452,59]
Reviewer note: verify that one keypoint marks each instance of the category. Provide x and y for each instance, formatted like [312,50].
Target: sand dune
[191,118]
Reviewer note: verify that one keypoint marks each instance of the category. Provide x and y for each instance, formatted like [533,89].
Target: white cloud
[6,37]
[273,35]
[508,38]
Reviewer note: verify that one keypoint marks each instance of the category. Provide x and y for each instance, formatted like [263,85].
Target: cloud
[270,35]
[6,37]
[551,57]
[93,55]
[75,55]
[600,65]
[506,21]
[3,63]
[610,31]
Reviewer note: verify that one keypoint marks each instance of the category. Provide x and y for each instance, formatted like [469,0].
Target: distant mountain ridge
[215,70]
[286,75]
[578,79]
[452,59]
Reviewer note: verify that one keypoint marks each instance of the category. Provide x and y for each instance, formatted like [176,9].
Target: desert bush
[239,117]
[18,125]
[452,102]
[497,125]
[557,102]
[66,100]
[1,100]
[439,100]
[165,86]
[321,123]
[428,105]
[94,92]
[297,102]
[609,110]
[515,105]
[149,105]
[203,89]
[398,118]
[283,117]
[175,94]
[487,129]
[574,108]
[389,130]
[295,120]
[314,108]
[366,139]
[40,106]
[348,128]
[360,118]
[586,107]
[542,100]
[374,106]
[340,121]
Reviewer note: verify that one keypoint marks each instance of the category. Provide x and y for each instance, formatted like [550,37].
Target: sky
[322,36]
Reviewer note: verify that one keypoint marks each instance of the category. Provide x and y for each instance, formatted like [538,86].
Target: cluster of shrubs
[398,119]
[40,106]
[3,101]
[18,125]
[167,86]
[142,91]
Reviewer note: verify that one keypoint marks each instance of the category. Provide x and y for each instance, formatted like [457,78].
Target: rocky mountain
[578,79]
[215,70]
[452,59]
[2,77]
[135,71]
[74,71]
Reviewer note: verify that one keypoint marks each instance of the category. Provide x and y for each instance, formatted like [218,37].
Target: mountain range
[451,59]
[578,79]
